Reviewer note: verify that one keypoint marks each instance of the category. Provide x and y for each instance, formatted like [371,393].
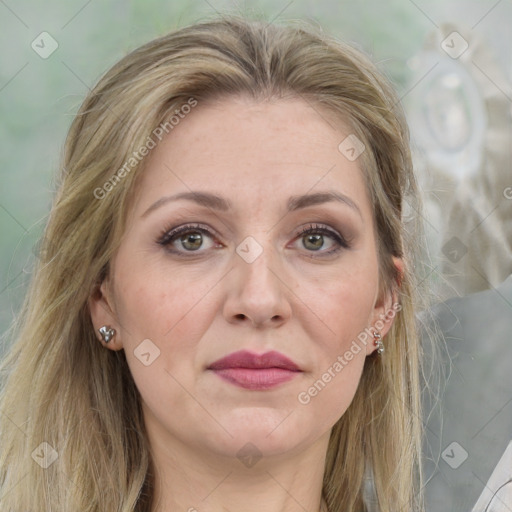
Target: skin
[208,303]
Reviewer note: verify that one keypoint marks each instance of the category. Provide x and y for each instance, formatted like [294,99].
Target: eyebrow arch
[207,199]
[216,202]
[298,202]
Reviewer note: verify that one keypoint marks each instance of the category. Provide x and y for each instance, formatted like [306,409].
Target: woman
[222,317]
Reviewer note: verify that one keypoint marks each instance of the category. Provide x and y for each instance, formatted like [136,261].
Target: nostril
[240,316]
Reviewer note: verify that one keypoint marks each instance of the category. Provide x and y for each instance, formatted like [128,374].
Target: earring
[107,333]
[378,342]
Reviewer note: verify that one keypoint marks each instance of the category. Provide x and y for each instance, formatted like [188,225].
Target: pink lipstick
[255,372]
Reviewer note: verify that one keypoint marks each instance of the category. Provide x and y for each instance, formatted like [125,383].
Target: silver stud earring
[378,342]
[107,333]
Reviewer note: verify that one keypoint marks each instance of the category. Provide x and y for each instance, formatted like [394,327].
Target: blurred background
[451,64]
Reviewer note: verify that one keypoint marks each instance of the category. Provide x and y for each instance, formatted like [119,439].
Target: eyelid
[169,234]
[323,228]
[166,235]
[340,242]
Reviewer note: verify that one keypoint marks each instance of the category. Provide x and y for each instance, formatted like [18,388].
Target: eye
[188,238]
[197,238]
[316,237]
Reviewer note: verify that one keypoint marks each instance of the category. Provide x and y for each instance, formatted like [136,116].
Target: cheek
[161,305]
[345,302]
[332,386]
[349,309]
[166,316]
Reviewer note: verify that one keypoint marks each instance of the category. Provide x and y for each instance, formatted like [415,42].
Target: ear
[102,310]
[386,307]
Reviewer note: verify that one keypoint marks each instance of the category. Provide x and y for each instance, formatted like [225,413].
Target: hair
[60,386]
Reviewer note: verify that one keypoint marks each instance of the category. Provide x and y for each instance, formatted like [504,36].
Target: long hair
[71,424]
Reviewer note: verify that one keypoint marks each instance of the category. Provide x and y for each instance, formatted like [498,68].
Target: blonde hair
[63,388]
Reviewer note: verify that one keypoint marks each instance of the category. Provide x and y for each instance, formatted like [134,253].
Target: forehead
[243,148]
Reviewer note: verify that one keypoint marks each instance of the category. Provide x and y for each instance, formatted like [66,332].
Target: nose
[257,292]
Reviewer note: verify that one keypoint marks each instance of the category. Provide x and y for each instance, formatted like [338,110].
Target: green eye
[187,238]
[314,238]
[192,241]
[313,242]
[196,238]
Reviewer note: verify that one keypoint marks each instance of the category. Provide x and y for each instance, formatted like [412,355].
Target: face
[274,252]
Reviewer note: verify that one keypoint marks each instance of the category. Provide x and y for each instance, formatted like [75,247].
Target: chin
[267,431]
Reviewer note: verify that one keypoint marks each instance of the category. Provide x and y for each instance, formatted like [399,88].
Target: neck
[192,481]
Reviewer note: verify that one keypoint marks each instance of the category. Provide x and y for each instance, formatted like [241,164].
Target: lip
[253,371]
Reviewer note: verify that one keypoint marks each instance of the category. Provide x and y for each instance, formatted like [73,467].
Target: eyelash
[168,235]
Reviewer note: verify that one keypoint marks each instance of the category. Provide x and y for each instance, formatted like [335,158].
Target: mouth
[255,372]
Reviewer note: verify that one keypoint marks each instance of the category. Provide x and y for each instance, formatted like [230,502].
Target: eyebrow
[216,202]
